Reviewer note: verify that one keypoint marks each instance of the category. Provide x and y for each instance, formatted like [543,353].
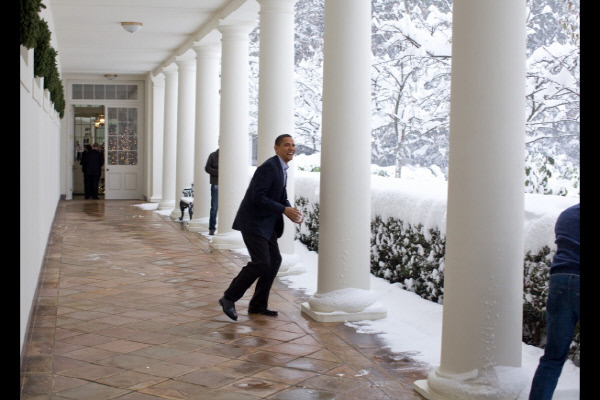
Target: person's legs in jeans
[562,315]
[214,204]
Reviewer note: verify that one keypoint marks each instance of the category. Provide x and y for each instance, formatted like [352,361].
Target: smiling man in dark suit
[260,219]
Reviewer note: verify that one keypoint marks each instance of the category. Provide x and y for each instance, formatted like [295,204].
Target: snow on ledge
[422,200]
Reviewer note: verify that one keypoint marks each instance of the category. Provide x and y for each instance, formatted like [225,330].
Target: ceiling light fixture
[99,122]
[110,77]
[131,27]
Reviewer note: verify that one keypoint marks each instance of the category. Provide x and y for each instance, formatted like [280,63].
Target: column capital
[235,29]
[170,69]
[187,61]
[208,50]
[158,80]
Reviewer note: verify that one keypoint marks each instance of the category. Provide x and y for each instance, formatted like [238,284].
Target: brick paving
[127,309]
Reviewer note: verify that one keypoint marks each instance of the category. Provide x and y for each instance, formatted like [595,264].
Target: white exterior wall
[40,145]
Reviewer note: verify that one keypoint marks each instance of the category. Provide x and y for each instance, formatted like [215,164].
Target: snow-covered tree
[411,81]
[309,72]
[411,44]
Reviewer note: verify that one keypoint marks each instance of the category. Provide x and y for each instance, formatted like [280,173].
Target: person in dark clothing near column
[260,219]
[86,149]
[212,168]
[92,164]
[562,304]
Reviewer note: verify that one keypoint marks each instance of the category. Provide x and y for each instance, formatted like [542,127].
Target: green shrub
[535,292]
[29,22]
[36,34]
[308,232]
[401,253]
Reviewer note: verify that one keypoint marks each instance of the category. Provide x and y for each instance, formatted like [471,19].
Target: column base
[371,313]
[198,225]
[227,241]
[423,389]
[498,383]
[166,205]
[155,199]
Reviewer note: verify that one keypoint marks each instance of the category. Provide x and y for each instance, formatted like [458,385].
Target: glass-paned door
[122,172]
[89,128]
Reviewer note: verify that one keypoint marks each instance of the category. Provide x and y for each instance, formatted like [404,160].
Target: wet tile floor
[127,309]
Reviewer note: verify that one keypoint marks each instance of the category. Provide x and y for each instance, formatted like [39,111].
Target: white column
[234,158]
[276,103]
[158,126]
[208,57]
[483,281]
[167,202]
[345,196]
[186,113]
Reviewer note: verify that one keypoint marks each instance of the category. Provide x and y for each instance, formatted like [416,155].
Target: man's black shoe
[228,308]
[263,311]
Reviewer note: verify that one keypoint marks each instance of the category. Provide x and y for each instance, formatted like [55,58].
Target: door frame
[76,163]
[69,123]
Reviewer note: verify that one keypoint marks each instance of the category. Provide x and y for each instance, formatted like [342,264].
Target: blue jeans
[562,315]
[214,205]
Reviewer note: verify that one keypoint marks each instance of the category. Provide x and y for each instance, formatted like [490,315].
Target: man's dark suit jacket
[92,163]
[261,210]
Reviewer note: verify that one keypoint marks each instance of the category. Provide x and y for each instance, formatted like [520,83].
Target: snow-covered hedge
[408,221]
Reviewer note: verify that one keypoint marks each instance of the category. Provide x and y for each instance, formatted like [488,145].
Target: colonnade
[481,343]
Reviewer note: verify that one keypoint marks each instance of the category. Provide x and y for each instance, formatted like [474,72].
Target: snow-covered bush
[535,292]
[308,232]
[401,253]
[543,175]
[414,256]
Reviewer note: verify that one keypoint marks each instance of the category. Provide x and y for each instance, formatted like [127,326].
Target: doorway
[89,128]
[110,114]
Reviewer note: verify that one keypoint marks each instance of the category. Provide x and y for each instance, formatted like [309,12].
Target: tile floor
[127,309]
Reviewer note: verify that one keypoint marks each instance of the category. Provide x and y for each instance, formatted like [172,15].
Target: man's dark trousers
[91,183]
[264,265]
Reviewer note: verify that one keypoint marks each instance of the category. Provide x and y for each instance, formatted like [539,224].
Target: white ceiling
[90,38]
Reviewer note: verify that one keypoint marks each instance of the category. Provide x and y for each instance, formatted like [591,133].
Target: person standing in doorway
[260,219]
[212,168]
[562,304]
[79,150]
[86,150]
[92,164]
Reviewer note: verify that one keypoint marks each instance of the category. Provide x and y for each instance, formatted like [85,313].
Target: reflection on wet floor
[94,208]
[127,308]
